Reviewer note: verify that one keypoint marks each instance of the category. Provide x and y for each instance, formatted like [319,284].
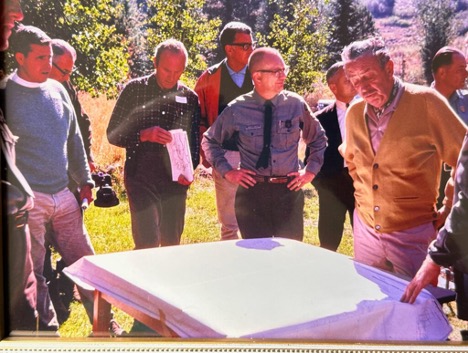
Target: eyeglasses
[245,46]
[277,72]
[62,71]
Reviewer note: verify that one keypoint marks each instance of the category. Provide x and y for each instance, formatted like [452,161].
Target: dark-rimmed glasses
[62,71]
[277,72]
[245,46]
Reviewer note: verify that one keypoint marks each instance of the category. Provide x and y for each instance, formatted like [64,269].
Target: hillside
[402,36]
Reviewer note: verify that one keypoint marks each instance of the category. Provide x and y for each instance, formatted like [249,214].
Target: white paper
[179,153]
[265,289]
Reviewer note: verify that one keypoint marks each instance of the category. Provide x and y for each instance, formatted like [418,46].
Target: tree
[434,18]
[349,21]
[89,26]
[184,20]
[298,32]
[133,24]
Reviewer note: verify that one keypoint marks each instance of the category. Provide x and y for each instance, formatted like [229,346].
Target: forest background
[115,40]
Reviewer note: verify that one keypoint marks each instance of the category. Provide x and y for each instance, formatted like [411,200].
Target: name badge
[182,100]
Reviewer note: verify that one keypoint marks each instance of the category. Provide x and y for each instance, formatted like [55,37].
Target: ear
[228,49]
[333,88]
[256,77]
[442,71]
[389,67]
[20,58]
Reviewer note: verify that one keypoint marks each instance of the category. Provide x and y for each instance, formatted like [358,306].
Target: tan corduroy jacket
[397,187]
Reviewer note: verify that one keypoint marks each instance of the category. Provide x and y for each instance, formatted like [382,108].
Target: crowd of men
[379,153]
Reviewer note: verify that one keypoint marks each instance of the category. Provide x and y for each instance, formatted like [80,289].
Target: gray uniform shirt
[244,118]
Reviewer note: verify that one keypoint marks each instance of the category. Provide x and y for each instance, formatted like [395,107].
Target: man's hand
[183,181]
[427,274]
[301,178]
[86,193]
[92,166]
[241,177]
[155,134]
[442,214]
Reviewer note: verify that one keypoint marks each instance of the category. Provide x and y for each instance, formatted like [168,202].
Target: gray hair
[372,46]
[60,47]
[172,45]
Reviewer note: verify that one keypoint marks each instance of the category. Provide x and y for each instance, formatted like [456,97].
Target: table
[259,288]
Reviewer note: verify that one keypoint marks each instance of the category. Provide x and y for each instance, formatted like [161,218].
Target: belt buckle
[275,180]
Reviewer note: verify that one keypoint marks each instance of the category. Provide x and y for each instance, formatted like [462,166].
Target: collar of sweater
[20,81]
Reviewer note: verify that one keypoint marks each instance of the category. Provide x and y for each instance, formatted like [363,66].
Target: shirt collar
[159,89]
[455,96]
[341,105]
[15,78]
[397,86]
[261,100]
[240,72]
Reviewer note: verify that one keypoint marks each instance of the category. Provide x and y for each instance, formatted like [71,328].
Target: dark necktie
[264,159]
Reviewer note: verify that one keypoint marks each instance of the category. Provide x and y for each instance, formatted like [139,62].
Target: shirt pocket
[251,137]
[287,134]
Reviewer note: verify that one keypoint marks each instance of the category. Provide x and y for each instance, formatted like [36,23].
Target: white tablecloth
[263,288]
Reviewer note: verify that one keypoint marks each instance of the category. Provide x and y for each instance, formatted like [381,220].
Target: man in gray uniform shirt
[268,122]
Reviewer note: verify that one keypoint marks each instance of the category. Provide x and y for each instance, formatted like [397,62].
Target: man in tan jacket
[397,137]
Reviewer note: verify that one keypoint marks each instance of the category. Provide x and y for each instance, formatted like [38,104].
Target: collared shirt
[341,113]
[244,117]
[237,76]
[459,102]
[143,104]
[377,122]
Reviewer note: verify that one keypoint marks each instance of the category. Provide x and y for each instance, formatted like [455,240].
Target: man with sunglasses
[216,87]
[63,62]
[268,122]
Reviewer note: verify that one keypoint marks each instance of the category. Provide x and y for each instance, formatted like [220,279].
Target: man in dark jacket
[333,183]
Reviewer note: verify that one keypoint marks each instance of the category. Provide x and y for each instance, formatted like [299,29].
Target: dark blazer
[333,161]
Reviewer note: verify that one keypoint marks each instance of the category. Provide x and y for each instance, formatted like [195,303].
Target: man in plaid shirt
[145,111]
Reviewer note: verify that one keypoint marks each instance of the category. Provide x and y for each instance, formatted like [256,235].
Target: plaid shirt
[143,104]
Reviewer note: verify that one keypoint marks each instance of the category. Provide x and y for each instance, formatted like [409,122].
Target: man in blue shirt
[449,71]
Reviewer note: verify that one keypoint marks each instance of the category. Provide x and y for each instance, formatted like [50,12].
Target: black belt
[273,179]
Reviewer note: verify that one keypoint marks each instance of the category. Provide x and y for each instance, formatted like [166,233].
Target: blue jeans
[69,238]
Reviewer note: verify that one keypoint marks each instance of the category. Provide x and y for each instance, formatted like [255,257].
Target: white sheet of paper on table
[263,288]
[179,153]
